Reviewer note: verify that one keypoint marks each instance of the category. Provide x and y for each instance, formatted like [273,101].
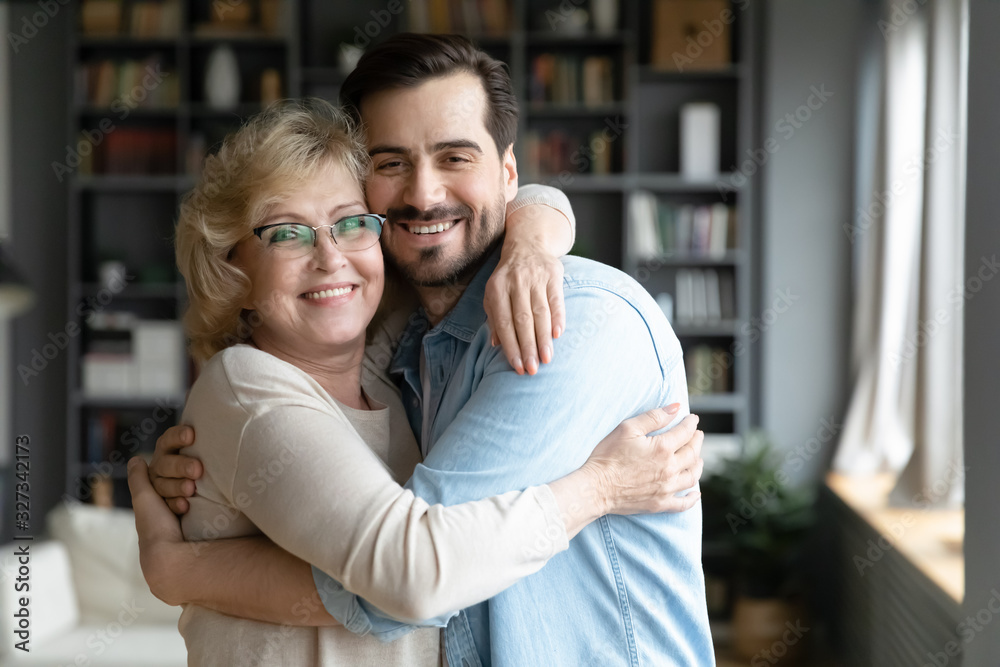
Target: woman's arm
[209,573]
[414,561]
[524,300]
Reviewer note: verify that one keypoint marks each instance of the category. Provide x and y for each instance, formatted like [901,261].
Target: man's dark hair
[407,60]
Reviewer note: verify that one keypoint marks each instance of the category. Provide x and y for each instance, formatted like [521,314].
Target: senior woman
[301,440]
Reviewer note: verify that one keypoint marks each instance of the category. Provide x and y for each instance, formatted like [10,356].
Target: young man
[441,120]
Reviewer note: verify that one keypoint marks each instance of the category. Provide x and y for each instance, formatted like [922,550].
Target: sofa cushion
[111,644]
[104,553]
[52,608]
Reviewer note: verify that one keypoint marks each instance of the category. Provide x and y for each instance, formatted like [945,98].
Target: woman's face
[319,303]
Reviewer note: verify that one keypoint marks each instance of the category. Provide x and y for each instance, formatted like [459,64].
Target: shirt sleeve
[546,195]
[516,431]
[309,482]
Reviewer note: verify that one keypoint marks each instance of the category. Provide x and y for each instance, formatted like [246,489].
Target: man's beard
[481,240]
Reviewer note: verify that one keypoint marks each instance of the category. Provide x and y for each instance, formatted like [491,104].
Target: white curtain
[905,411]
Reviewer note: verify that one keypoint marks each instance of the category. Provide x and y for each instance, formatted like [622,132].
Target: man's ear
[509,173]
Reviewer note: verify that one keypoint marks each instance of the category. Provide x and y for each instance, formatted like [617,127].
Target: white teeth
[431,229]
[340,291]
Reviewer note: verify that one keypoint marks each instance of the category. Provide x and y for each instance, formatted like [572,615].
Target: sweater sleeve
[546,195]
[309,482]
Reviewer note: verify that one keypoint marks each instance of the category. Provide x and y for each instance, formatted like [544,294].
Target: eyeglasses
[294,239]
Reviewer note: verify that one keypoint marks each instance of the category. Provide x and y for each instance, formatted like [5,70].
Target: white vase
[222,79]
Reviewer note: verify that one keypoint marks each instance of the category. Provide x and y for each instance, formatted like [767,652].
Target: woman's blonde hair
[272,154]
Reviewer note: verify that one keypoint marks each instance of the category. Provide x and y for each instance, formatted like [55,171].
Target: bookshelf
[602,98]
[611,140]
[140,122]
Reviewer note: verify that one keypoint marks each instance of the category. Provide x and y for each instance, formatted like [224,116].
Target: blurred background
[803,186]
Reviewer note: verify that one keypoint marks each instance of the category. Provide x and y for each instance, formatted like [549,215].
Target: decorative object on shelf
[604,14]
[749,507]
[699,127]
[691,34]
[270,86]
[572,22]
[222,79]
[112,275]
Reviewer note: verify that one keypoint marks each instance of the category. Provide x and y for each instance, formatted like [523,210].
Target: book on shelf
[557,152]
[122,85]
[708,370]
[470,17]
[704,296]
[154,18]
[130,151]
[571,79]
[145,19]
[691,34]
[660,228]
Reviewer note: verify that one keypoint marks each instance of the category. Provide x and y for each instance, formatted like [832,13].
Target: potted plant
[761,522]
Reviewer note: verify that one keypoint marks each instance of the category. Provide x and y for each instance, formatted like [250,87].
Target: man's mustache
[413,214]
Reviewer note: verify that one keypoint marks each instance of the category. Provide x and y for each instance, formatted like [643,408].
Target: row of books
[126,150]
[704,296]
[558,152]
[128,84]
[470,17]
[659,228]
[708,369]
[139,18]
[571,79]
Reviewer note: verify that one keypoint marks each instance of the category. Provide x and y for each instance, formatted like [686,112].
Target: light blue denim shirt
[630,589]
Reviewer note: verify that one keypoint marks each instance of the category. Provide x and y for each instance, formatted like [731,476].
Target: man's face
[437,176]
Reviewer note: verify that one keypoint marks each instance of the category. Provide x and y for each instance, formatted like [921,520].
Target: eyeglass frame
[258,231]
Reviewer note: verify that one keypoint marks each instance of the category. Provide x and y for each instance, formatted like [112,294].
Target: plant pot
[769,628]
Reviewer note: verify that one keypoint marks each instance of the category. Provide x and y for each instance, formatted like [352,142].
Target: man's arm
[524,300]
[215,574]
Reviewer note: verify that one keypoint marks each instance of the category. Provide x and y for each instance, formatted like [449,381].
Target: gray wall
[38,138]
[807,195]
[982,332]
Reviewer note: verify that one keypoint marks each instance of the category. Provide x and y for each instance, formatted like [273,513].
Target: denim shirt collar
[462,322]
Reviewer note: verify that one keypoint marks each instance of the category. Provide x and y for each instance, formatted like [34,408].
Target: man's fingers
[172,487]
[176,466]
[175,437]
[178,505]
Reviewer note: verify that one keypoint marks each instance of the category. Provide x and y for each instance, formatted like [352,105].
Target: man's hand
[159,533]
[637,474]
[524,296]
[172,474]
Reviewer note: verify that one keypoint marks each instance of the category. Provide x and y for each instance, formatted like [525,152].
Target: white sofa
[88,603]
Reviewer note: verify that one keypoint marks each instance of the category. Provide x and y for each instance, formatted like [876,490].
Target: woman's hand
[630,472]
[524,296]
[640,474]
[172,474]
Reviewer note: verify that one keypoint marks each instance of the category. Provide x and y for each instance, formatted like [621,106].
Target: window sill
[930,539]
